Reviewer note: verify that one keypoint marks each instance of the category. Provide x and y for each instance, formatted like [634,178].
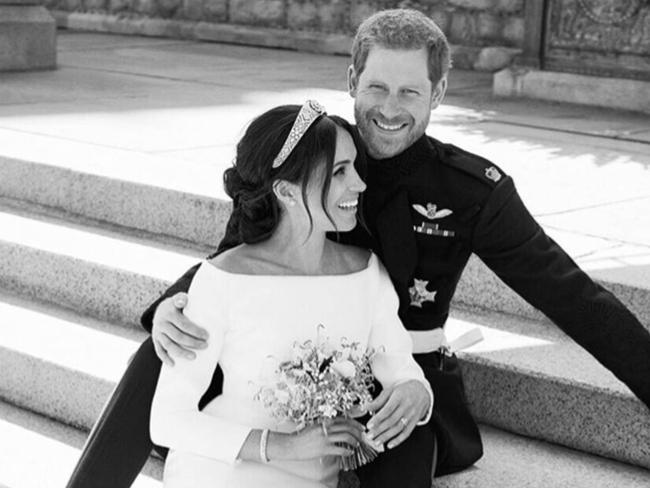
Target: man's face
[393,99]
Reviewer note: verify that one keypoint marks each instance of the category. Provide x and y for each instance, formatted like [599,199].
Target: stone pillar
[27,36]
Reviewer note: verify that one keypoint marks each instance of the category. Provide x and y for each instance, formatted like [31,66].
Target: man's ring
[404,421]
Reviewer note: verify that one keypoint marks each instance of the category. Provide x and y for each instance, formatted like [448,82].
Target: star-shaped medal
[419,293]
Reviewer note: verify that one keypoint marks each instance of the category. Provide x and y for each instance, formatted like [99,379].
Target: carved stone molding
[610,37]
[608,26]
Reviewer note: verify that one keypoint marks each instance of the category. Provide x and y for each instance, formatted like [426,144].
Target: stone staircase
[84,248]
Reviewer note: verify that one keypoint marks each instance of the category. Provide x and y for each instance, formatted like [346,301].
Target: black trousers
[409,465]
[119,443]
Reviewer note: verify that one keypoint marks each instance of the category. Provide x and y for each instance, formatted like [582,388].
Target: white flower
[297,353]
[282,396]
[344,368]
[326,349]
[327,411]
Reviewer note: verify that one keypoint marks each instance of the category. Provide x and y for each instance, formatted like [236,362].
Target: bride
[293,181]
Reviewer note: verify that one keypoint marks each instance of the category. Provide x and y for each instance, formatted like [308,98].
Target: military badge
[433,230]
[493,174]
[419,293]
[431,211]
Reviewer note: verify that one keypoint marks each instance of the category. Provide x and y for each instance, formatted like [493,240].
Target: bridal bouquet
[319,383]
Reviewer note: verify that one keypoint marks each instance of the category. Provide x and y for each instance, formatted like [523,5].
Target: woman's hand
[316,441]
[399,409]
[173,334]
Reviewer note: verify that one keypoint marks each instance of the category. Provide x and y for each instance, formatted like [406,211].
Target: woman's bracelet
[264,440]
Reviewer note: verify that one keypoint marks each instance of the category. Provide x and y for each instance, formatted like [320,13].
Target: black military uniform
[427,210]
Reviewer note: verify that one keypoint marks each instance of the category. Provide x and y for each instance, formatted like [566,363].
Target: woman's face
[345,188]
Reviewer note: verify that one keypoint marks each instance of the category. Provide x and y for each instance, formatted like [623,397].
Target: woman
[292,182]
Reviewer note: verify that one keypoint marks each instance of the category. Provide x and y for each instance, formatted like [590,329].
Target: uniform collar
[405,162]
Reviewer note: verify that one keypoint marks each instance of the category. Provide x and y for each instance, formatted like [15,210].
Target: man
[428,207]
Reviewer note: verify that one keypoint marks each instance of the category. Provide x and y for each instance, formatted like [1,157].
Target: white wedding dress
[253,321]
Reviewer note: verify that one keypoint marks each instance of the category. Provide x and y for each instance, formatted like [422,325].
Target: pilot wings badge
[431,211]
[419,293]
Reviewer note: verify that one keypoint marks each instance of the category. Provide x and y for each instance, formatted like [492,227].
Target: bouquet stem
[363,454]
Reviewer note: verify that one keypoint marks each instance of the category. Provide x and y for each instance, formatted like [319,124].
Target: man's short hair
[402,29]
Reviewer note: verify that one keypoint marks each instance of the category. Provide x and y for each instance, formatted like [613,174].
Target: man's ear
[352,81]
[285,192]
[439,92]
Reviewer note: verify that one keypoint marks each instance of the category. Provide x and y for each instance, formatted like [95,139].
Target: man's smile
[389,127]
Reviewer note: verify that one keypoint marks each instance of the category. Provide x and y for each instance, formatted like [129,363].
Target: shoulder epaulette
[471,164]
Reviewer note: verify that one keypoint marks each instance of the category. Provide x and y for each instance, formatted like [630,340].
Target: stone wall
[27,36]
[474,23]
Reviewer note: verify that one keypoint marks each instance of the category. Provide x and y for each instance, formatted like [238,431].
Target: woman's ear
[285,192]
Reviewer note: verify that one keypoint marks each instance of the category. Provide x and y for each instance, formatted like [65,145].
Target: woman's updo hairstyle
[249,182]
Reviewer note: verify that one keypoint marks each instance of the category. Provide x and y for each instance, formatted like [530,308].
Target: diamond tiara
[309,112]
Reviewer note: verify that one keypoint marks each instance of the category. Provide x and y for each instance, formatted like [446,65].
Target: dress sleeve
[176,421]
[230,239]
[393,361]
[513,245]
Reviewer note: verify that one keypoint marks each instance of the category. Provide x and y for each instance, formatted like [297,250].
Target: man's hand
[399,409]
[173,334]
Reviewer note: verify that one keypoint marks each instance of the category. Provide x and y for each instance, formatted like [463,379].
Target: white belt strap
[425,341]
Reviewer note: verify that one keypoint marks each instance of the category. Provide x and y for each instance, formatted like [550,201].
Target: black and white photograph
[324,244]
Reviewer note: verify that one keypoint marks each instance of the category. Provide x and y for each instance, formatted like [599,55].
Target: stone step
[38,452]
[529,377]
[112,276]
[525,377]
[172,204]
[480,288]
[92,270]
[142,191]
[515,461]
[42,453]
[58,363]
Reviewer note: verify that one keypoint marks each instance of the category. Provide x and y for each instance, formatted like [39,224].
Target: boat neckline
[353,273]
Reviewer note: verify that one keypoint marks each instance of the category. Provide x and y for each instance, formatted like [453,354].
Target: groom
[428,207]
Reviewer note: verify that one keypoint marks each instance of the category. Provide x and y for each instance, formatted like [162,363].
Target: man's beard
[379,148]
